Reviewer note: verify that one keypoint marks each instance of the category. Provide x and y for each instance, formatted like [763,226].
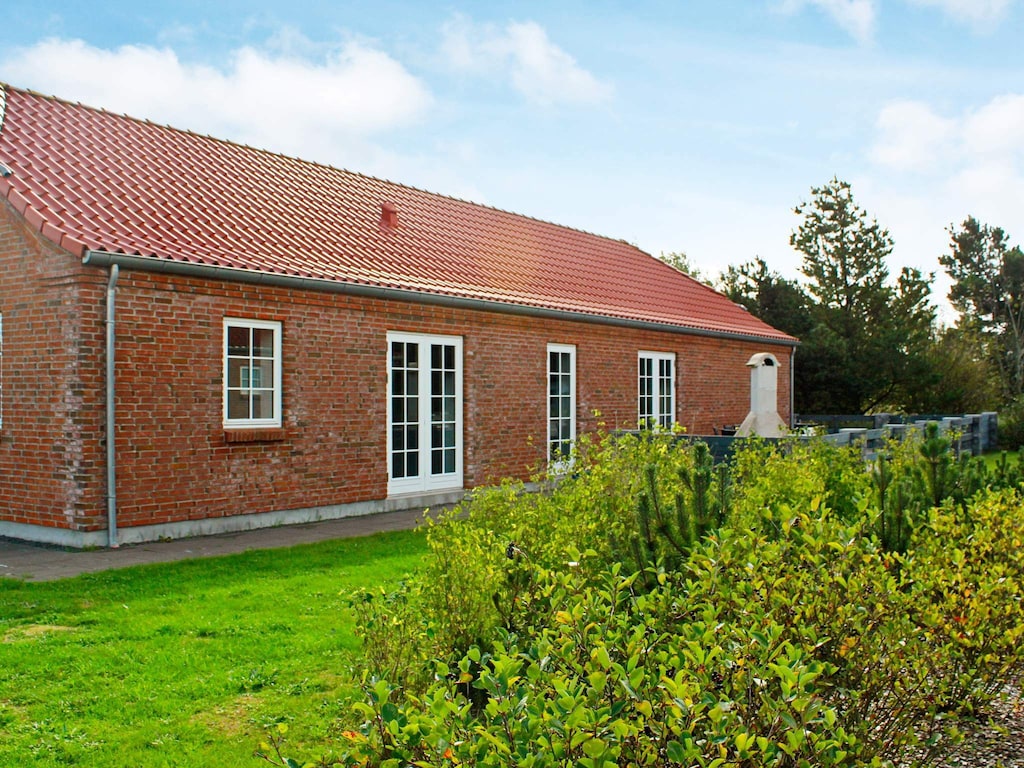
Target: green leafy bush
[616,676]
[813,611]
[772,479]
[807,648]
[484,552]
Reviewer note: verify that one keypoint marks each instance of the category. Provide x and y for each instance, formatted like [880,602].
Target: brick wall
[51,379]
[176,463]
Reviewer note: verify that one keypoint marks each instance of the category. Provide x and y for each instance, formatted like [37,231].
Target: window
[561,402]
[252,373]
[424,413]
[657,388]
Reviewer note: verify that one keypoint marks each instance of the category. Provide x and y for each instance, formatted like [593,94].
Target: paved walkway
[40,563]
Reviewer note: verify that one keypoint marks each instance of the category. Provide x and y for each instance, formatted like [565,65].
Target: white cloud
[978,13]
[911,136]
[992,192]
[997,129]
[536,67]
[933,171]
[856,17]
[283,102]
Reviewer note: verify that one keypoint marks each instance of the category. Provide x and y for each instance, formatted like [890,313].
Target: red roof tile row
[93,180]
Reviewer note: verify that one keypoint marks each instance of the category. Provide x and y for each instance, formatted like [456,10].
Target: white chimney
[763,419]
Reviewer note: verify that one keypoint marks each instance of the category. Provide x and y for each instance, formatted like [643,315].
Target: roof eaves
[35,219]
[235,274]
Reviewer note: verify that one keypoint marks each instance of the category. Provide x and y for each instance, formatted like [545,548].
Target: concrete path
[40,563]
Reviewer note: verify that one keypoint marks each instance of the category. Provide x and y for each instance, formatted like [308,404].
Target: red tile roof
[93,180]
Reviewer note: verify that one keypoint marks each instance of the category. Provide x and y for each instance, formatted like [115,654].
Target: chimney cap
[763,359]
[388,215]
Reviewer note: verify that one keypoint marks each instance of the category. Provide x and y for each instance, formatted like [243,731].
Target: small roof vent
[388,216]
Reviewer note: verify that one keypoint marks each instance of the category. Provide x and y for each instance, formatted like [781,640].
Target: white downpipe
[111,453]
[792,384]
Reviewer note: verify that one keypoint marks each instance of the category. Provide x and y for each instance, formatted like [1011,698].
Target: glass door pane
[442,409]
[404,410]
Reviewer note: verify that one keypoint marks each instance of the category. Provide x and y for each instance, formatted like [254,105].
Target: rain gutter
[295,282]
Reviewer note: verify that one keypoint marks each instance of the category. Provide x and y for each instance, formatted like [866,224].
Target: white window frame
[559,454]
[661,393]
[245,383]
[426,480]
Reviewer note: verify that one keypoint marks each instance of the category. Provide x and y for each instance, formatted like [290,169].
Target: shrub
[968,586]
[797,633]
[1011,425]
[772,479]
[615,676]
[482,554]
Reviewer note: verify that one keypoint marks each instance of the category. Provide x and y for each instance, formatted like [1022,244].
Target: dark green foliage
[899,504]
[766,294]
[869,336]
[969,382]
[923,473]
[938,463]
[709,490]
[988,289]
[1011,425]
[664,535]
[1008,470]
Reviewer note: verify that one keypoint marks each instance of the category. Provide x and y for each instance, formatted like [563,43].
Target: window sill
[255,435]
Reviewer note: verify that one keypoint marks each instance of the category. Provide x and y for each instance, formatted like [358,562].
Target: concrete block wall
[973,434]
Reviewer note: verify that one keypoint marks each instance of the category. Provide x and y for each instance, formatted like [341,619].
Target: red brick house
[270,340]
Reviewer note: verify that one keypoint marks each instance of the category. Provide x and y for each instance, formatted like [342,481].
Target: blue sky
[677,126]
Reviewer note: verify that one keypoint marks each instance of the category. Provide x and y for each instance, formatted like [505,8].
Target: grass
[186,664]
[994,458]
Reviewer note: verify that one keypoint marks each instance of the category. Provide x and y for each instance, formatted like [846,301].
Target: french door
[424,413]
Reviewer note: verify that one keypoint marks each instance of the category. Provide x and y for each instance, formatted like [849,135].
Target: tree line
[870,341]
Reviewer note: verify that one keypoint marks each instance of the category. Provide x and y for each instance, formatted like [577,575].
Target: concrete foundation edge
[63,537]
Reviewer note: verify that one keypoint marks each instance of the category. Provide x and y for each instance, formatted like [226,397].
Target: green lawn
[185,664]
[993,459]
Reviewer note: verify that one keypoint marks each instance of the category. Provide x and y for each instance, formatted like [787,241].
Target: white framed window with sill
[561,404]
[656,389]
[424,436]
[252,373]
